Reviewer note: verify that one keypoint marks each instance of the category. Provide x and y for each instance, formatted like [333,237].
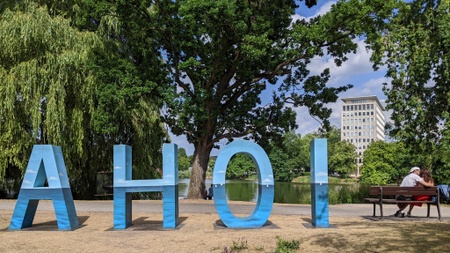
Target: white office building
[362,122]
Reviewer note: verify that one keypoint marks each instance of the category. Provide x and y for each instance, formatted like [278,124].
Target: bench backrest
[398,190]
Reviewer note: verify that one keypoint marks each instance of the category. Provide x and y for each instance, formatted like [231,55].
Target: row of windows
[353,114]
[363,127]
[356,134]
[356,121]
[358,107]
[360,140]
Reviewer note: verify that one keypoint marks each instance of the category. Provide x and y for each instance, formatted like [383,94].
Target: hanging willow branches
[75,89]
[46,90]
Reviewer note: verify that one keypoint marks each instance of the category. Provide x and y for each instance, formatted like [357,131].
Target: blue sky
[357,70]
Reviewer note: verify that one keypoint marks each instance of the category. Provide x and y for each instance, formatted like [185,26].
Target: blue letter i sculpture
[319,183]
[46,162]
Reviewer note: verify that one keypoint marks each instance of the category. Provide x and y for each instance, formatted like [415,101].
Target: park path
[207,206]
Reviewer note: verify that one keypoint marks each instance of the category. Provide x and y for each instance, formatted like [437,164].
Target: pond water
[247,190]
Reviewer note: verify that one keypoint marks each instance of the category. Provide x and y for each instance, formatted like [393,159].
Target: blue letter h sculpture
[124,186]
[46,162]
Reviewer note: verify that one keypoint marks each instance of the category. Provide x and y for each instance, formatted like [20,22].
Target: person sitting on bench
[412,179]
[425,174]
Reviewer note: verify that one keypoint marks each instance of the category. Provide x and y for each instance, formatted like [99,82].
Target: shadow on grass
[144,224]
[51,225]
[268,225]
[385,236]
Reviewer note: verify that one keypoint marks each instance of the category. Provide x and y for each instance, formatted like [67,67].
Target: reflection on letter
[46,163]
[124,186]
[265,185]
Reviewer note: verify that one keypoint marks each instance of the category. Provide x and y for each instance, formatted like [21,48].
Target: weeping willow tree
[66,87]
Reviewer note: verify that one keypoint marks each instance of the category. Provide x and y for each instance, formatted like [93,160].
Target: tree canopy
[385,163]
[415,46]
[66,86]
[223,54]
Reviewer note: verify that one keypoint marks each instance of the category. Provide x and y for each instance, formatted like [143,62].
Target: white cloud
[267,180]
[357,64]
[321,11]
[324,8]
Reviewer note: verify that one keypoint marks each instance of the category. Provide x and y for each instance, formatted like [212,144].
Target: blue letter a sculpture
[124,186]
[46,162]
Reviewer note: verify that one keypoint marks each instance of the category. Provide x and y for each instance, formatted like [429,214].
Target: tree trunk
[198,174]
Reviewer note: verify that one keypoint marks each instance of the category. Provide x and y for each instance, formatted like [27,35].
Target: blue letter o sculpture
[265,185]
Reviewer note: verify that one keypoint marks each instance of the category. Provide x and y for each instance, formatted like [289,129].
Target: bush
[284,246]
[184,174]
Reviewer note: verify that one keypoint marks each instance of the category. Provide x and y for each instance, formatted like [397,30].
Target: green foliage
[73,89]
[222,55]
[184,174]
[285,246]
[46,90]
[184,162]
[297,149]
[240,167]
[279,160]
[441,169]
[354,193]
[341,158]
[385,163]
[341,155]
[413,47]
[239,245]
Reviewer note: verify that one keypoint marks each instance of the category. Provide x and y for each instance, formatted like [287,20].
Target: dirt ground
[203,233]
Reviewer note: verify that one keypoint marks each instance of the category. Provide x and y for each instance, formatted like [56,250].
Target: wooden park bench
[387,195]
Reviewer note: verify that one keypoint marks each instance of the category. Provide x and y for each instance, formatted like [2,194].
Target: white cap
[413,169]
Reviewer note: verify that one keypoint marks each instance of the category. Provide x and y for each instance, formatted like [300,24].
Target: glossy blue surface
[124,186]
[46,163]
[319,183]
[265,185]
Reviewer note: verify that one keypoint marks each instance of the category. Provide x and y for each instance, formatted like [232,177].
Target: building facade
[362,122]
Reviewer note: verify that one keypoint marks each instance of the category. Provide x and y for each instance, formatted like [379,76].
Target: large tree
[63,86]
[223,54]
[415,49]
[45,87]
